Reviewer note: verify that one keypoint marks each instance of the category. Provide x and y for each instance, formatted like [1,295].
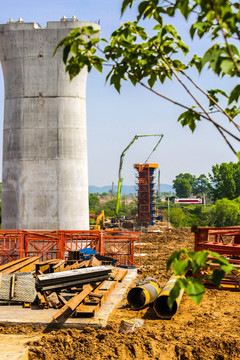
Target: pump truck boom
[120,179]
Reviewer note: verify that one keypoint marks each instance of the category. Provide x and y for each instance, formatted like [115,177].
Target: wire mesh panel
[23,288]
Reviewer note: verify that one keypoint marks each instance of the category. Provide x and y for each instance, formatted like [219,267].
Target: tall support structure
[45,173]
[146,192]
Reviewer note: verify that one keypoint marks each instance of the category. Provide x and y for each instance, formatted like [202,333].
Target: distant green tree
[132,209]
[198,215]
[109,207]
[104,194]
[176,216]
[201,186]
[94,202]
[225,181]
[226,213]
[182,187]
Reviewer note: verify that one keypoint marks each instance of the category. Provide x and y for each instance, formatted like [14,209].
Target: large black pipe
[144,293]
[161,303]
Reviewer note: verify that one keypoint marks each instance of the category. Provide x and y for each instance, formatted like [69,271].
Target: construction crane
[120,179]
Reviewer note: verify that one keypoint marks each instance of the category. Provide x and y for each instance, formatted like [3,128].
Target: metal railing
[16,244]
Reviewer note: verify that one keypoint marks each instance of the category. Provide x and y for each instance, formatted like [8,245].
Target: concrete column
[45,173]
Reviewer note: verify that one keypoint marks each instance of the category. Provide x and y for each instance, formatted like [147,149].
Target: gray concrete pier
[45,174]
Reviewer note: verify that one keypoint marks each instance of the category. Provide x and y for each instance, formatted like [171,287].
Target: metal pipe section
[144,293]
[161,307]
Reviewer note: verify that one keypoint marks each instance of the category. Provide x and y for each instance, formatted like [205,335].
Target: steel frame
[47,245]
[212,239]
[146,206]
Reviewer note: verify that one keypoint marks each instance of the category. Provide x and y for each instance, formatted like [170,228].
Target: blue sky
[113,119]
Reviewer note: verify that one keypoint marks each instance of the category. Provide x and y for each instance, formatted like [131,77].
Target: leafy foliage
[182,187]
[147,59]
[226,213]
[94,202]
[109,205]
[186,184]
[225,181]
[193,268]
[191,215]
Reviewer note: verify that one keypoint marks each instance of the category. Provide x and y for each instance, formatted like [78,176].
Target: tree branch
[209,97]
[187,108]
[227,44]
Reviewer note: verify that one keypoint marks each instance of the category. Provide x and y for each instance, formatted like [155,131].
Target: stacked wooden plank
[20,265]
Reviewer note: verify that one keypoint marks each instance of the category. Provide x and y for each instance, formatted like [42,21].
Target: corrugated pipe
[144,293]
[161,306]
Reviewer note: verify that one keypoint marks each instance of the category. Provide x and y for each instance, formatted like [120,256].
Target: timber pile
[20,265]
[86,302]
[77,287]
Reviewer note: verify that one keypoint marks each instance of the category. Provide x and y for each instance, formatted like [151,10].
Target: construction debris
[76,287]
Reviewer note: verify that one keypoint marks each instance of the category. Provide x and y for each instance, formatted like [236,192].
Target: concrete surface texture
[45,175]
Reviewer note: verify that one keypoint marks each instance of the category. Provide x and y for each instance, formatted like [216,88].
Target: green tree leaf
[195,290]
[234,95]
[189,118]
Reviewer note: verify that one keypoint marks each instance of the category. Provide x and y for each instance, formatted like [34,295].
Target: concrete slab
[15,314]
[13,347]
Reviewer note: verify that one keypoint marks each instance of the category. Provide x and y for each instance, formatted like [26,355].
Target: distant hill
[126,189]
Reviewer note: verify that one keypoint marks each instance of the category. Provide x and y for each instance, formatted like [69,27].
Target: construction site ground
[205,332]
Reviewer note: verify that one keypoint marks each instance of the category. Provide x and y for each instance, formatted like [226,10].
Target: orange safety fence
[224,240]
[16,244]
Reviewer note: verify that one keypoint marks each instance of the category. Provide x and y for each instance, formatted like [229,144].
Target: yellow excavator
[99,221]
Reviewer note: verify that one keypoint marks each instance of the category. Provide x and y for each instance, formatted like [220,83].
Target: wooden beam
[12,286]
[11,263]
[88,308]
[120,275]
[27,265]
[66,311]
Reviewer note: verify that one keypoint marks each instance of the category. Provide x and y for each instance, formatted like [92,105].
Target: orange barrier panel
[15,244]
[224,241]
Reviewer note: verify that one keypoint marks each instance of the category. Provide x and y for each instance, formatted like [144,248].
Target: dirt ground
[206,332]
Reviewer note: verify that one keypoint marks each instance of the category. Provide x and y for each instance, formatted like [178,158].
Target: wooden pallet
[96,299]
